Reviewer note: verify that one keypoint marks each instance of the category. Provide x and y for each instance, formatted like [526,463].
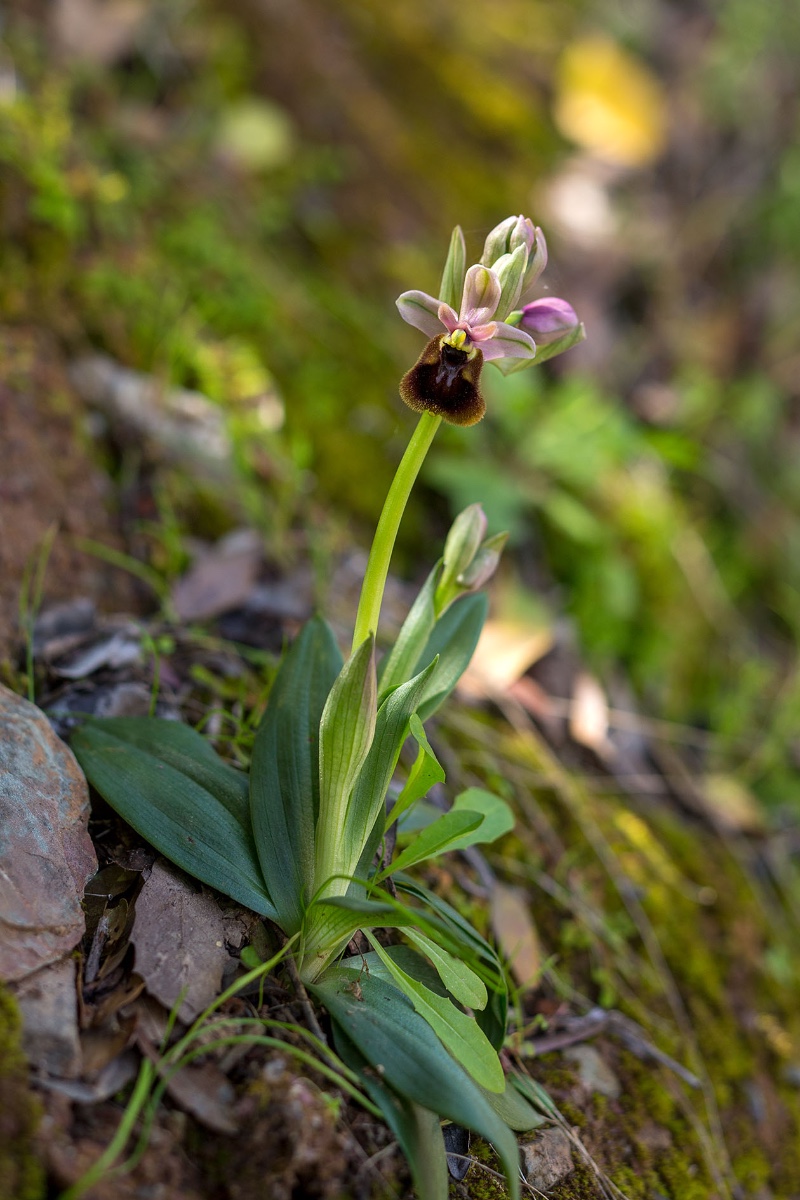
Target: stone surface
[48,1003]
[546,1159]
[593,1071]
[46,855]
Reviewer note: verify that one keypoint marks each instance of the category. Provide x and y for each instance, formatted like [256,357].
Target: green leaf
[399,1043]
[417,1129]
[512,1108]
[424,774]
[365,809]
[461,982]
[434,839]
[284,775]
[405,957]
[190,753]
[498,819]
[453,638]
[346,732]
[460,1033]
[190,824]
[481,955]
[399,663]
[452,284]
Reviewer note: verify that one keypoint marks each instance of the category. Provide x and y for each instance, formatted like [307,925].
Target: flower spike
[488,326]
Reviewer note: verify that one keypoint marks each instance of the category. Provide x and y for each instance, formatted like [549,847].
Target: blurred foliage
[229,196]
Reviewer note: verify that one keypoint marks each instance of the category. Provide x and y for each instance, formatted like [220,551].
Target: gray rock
[593,1071]
[48,1003]
[46,855]
[546,1159]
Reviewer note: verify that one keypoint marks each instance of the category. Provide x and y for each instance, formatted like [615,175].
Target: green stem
[369,605]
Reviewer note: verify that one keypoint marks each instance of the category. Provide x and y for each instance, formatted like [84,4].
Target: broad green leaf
[398,665]
[190,753]
[417,1129]
[186,822]
[461,982]
[435,839]
[391,730]
[460,1033]
[454,638]
[424,774]
[498,818]
[393,1038]
[284,775]
[345,733]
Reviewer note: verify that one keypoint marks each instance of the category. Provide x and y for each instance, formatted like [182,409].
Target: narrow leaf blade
[284,775]
[461,982]
[449,829]
[460,1033]
[453,638]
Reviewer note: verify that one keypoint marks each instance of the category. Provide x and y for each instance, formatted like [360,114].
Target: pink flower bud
[548,319]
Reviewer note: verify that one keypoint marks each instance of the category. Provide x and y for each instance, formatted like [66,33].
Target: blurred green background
[229,197]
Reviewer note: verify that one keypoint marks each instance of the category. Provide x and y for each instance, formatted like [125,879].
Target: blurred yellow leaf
[516,934]
[609,103]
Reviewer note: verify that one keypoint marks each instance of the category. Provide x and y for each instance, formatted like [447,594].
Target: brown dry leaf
[207,1095]
[179,938]
[220,579]
[505,651]
[516,934]
[588,718]
[101,33]
[730,805]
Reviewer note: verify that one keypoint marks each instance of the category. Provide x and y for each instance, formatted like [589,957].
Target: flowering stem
[369,605]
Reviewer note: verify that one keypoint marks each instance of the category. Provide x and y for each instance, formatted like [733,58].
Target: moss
[21,1174]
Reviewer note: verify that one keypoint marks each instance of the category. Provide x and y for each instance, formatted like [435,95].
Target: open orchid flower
[488,327]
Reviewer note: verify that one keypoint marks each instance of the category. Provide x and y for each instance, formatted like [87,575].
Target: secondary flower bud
[548,319]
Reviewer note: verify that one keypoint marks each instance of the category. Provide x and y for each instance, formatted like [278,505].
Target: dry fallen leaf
[505,651]
[516,934]
[588,716]
[179,937]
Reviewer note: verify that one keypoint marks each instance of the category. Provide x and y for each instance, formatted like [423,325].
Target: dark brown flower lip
[446,381]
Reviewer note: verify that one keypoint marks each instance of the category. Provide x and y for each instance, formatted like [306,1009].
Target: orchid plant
[307,839]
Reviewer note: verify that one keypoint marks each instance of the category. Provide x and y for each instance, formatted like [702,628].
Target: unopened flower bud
[523,234]
[469,561]
[537,261]
[465,536]
[497,243]
[548,319]
[484,564]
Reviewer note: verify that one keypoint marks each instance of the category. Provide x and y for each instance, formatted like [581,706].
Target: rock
[593,1071]
[46,855]
[546,1159]
[48,1003]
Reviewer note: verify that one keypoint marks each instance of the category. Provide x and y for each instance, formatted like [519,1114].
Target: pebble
[546,1159]
[46,855]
